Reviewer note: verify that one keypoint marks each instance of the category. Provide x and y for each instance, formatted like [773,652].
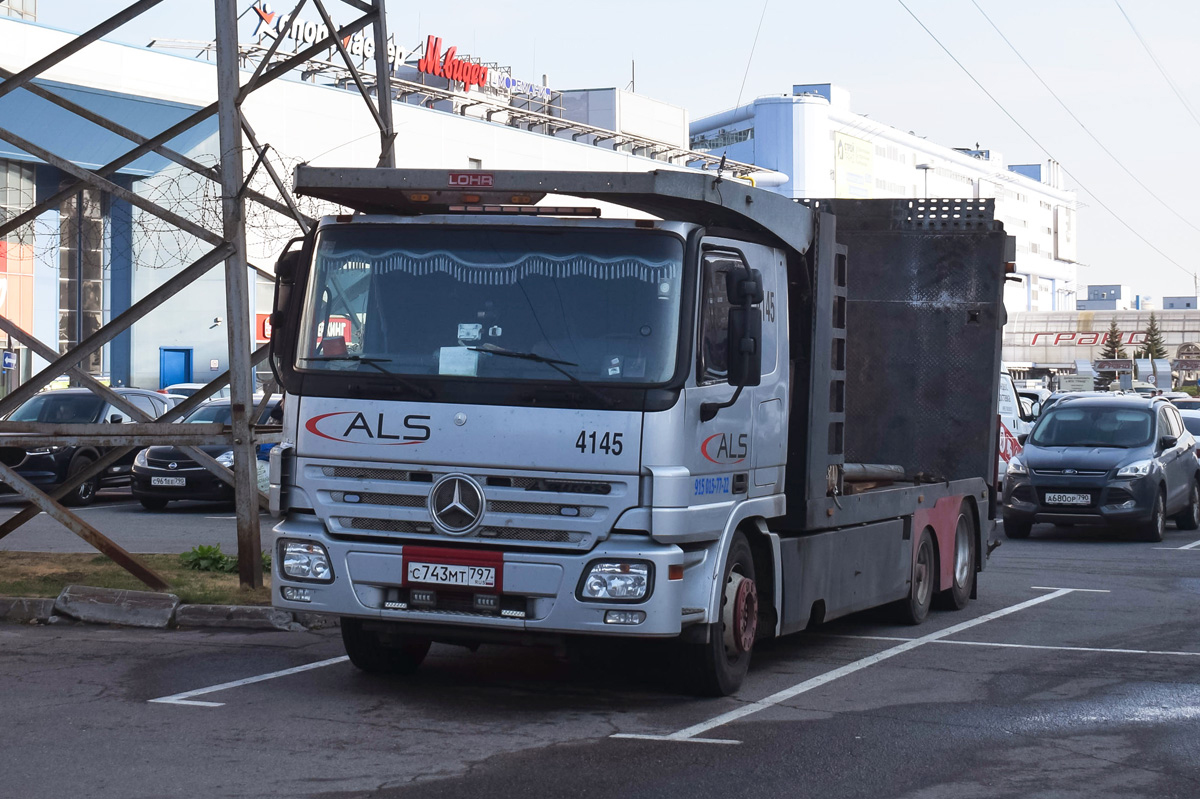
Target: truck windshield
[414,300]
[1075,426]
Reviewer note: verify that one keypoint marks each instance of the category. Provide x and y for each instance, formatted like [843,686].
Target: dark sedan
[49,466]
[1120,461]
[164,473]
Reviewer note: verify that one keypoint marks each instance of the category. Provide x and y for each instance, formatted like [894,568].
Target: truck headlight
[1017,466]
[305,560]
[1135,469]
[616,580]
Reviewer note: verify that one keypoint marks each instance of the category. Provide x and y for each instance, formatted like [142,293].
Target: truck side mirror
[745,346]
[744,286]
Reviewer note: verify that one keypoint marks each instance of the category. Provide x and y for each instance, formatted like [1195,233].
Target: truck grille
[392,502]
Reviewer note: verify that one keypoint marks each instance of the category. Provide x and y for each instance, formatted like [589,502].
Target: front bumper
[1113,501]
[201,484]
[543,583]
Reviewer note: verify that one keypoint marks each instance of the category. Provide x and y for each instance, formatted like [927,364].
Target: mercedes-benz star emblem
[456,503]
[172,465]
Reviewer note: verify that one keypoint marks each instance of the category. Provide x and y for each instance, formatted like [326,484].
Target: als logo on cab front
[725,448]
[359,430]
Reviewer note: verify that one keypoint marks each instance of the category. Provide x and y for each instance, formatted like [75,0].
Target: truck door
[724,458]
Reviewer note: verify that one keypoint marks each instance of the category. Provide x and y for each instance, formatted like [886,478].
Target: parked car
[188,389]
[1122,460]
[1184,401]
[165,473]
[49,466]
[1191,420]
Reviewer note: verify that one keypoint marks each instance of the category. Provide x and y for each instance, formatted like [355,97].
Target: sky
[706,55]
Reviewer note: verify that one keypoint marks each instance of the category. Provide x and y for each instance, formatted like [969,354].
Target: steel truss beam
[228,246]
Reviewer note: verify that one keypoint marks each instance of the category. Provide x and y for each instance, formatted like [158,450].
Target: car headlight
[140,459]
[226,459]
[616,580]
[305,560]
[1017,466]
[43,450]
[1135,469]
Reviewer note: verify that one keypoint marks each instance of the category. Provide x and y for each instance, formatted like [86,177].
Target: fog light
[615,580]
[305,560]
[423,598]
[624,617]
[293,594]
[487,602]
[1127,505]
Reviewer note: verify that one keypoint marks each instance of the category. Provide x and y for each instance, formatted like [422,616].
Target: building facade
[812,136]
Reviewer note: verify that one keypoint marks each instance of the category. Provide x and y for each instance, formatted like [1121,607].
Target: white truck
[513,422]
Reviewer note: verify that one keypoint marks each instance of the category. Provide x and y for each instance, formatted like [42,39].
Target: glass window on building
[81,272]
[21,9]
[17,190]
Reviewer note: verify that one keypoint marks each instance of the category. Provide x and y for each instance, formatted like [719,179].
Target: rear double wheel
[924,575]
[377,652]
[718,666]
[962,582]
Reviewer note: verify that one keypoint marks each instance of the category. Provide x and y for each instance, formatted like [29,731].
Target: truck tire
[370,652]
[962,578]
[85,493]
[1189,517]
[1155,526]
[718,667]
[920,589]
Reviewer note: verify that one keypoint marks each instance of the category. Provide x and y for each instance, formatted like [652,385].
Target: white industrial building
[827,150]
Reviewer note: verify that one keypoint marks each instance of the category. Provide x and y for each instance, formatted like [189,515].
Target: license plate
[445,574]
[168,481]
[1068,499]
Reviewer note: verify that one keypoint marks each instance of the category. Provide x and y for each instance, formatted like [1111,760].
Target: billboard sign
[1114,365]
[853,167]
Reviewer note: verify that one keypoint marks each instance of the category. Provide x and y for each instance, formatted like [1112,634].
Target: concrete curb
[148,609]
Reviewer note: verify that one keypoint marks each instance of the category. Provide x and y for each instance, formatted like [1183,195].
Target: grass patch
[46,574]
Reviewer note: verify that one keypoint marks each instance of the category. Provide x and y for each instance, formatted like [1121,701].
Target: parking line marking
[185,698]
[1192,545]
[1103,650]
[689,734]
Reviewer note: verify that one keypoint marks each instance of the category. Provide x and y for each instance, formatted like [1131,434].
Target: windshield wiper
[374,363]
[553,363]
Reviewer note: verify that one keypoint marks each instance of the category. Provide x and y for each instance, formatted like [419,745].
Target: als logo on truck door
[355,427]
[725,448]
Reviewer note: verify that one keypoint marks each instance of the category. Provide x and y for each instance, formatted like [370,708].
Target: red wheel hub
[745,615]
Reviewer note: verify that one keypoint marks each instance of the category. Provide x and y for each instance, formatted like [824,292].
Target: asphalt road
[177,528]
[1029,692]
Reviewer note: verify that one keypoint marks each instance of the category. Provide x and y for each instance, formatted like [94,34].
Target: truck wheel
[1153,529]
[958,594]
[1016,529]
[920,591]
[1189,517]
[85,493]
[718,667]
[371,653]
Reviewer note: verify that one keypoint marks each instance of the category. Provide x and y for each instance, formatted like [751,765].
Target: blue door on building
[174,366]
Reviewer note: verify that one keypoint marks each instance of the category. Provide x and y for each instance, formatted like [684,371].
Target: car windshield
[60,408]
[603,304]
[1094,426]
[223,412]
